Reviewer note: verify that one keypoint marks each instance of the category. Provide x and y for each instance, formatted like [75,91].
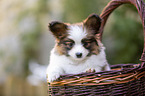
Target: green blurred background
[25,42]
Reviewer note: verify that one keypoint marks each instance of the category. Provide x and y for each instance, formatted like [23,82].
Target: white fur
[61,64]
[77,33]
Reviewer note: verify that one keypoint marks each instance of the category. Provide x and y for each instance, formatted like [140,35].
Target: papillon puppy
[77,49]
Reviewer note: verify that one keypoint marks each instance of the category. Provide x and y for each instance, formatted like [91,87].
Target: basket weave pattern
[123,79]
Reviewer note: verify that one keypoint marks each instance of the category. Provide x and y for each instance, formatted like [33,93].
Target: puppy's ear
[93,23]
[58,29]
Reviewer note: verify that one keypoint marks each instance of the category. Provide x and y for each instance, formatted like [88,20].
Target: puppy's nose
[79,55]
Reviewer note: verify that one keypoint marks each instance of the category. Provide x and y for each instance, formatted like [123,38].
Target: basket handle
[113,4]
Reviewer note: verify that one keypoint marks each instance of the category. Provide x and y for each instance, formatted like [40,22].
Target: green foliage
[30,45]
[127,36]
[78,10]
[30,37]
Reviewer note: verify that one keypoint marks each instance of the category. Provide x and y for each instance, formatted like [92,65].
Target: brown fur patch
[91,45]
[95,49]
[93,23]
[58,29]
[64,45]
[60,49]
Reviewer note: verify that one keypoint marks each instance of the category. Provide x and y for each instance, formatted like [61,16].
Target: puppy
[76,49]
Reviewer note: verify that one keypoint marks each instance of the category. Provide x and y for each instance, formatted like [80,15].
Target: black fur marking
[91,45]
[87,43]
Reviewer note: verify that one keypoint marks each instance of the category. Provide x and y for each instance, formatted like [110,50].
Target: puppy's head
[77,41]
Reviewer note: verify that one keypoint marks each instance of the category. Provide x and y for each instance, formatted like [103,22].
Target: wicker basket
[123,79]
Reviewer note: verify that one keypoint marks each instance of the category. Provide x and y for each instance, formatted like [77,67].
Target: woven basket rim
[126,73]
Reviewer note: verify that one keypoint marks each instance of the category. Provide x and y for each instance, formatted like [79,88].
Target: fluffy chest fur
[69,66]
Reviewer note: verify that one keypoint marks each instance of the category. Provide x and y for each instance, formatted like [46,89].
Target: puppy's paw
[52,77]
[90,70]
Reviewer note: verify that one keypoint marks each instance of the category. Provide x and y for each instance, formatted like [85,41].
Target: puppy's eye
[69,44]
[87,44]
